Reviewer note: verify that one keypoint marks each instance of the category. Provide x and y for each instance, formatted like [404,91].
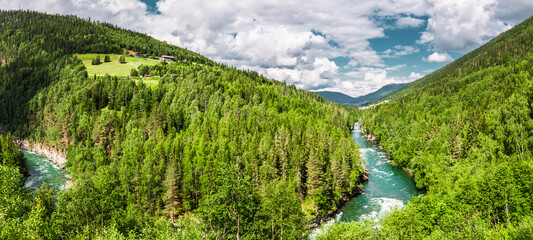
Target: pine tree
[134,72]
[96,61]
[171,183]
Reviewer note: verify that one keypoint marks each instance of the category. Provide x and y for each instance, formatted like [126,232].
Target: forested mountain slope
[218,152]
[466,134]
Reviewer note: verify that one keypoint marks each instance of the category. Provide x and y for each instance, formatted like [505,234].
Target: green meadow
[114,67]
[149,81]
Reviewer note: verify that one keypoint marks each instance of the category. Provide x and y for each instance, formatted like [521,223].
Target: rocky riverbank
[59,159]
[372,138]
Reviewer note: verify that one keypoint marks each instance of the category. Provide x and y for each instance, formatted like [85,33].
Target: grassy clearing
[113,67]
[150,82]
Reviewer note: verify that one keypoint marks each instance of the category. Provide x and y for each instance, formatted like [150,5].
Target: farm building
[168,58]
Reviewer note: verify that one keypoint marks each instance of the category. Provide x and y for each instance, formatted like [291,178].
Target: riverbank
[372,138]
[387,188]
[369,136]
[40,170]
[318,220]
[57,158]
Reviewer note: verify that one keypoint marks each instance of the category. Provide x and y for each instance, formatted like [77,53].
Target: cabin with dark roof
[138,55]
[168,58]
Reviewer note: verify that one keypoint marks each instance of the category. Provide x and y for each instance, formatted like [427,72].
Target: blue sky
[354,47]
[151,6]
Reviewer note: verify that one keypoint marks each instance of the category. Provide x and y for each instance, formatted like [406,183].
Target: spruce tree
[96,61]
[134,72]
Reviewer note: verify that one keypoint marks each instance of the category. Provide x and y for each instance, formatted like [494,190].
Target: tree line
[210,151]
[466,134]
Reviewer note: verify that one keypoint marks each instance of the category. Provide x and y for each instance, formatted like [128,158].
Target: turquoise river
[41,170]
[387,187]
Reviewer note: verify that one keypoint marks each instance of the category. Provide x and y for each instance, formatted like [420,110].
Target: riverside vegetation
[466,134]
[208,152]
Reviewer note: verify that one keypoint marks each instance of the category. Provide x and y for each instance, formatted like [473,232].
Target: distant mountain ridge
[377,95]
[361,100]
[337,97]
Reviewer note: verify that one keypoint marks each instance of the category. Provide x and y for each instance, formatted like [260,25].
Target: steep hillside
[207,151]
[32,43]
[466,134]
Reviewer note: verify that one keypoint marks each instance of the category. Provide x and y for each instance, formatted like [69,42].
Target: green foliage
[465,132]
[71,34]
[96,61]
[9,154]
[122,59]
[281,214]
[12,168]
[144,70]
[23,215]
[134,72]
[232,210]
[107,58]
[218,151]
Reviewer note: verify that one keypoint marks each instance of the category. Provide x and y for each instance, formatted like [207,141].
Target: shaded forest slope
[247,156]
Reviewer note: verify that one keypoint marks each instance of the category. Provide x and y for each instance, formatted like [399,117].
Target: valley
[464,133]
[191,148]
[388,188]
[245,155]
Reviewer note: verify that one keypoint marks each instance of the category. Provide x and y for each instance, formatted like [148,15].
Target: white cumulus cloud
[409,22]
[415,76]
[461,25]
[294,41]
[439,57]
